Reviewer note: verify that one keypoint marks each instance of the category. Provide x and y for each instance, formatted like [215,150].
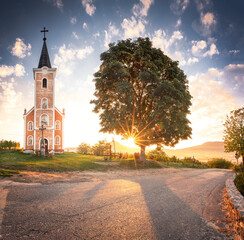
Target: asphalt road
[172,205]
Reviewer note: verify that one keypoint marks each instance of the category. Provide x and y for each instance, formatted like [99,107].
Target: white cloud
[212,51]
[9,98]
[67,55]
[73,20]
[20,49]
[198,47]
[83,53]
[208,19]
[192,60]
[75,35]
[17,70]
[112,31]
[141,9]
[132,27]
[179,6]
[178,23]
[85,25]
[96,35]
[235,51]
[161,40]
[57,3]
[89,6]
[210,104]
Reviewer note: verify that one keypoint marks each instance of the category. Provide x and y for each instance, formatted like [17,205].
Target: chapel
[44,123]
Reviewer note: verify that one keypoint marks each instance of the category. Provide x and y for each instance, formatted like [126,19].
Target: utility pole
[42,150]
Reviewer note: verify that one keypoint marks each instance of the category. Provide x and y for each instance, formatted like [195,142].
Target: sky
[205,36]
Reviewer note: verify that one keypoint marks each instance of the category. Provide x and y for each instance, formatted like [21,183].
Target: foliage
[234,132]
[219,163]
[239,182]
[142,94]
[101,148]
[238,168]
[5,144]
[84,148]
[132,164]
[156,154]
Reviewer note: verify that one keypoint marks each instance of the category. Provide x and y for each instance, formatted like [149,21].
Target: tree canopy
[234,132]
[141,93]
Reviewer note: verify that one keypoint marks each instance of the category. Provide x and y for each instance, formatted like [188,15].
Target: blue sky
[205,36]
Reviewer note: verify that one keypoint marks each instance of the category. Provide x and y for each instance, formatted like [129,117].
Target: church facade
[44,120]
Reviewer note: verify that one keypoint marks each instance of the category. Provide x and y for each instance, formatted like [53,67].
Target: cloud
[133,27]
[57,3]
[73,20]
[199,49]
[179,6]
[9,98]
[112,31]
[161,40]
[89,6]
[67,55]
[178,23]
[141,9]
[235,51]
[192,60]
[210,104]
[208,22]
[212,51]
[17,70]
[85,26]
[75,35]
[20,49]
[96,34]
[233,80]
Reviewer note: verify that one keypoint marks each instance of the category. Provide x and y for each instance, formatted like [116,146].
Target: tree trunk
[243,160]
[143,155]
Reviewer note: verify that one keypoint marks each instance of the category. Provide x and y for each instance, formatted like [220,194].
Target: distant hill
[203,152]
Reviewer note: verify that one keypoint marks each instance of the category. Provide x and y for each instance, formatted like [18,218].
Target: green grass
[131,164]
[182,165]
[57,163]
[220,163]
[239,182]
[7,173]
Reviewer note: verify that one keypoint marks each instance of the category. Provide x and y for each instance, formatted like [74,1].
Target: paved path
[184,204]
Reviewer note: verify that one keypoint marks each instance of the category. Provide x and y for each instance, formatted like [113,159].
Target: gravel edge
[235,196]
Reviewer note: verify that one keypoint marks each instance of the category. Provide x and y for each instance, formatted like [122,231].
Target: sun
[129,142]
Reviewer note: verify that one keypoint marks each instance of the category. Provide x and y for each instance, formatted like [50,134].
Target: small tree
[234,132]
[84,148]
[101,148]
[142,94]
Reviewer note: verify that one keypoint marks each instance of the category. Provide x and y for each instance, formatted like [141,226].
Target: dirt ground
[85,176]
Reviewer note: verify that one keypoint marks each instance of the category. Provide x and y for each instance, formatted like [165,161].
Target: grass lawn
[62,163]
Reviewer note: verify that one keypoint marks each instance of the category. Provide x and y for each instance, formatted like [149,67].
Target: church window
[30,126]
[57,125]
[44,120]
[44,83]
[30,140]
[44,103]
[57,140]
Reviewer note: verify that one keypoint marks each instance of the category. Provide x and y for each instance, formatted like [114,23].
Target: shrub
[219,163]
[239,182]
[174,159]
[238,168]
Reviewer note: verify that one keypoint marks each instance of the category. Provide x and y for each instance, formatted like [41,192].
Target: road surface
[180,204]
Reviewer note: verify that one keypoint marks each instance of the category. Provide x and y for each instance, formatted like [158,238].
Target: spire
[44,58]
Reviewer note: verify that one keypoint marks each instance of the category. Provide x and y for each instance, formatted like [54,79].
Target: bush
[238,168]
[219,163]
[174,159]
[239,182]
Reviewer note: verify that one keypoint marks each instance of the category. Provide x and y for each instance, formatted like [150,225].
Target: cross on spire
[44,31]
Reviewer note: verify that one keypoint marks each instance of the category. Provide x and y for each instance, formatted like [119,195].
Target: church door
[46,145]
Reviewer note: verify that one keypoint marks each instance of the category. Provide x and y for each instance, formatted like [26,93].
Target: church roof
[44,58]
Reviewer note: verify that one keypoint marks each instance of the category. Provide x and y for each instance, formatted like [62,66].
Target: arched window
[44,120]
[57,140]
[44,103]
[30,126]
[44,83]
[57,125]
[30,140]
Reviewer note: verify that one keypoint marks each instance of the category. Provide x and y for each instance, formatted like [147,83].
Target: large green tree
[142,94]
[234,132]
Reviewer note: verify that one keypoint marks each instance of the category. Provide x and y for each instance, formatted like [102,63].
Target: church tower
[44,120]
